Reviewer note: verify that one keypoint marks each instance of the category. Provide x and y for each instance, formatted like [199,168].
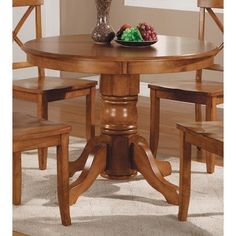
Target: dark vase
[103,32]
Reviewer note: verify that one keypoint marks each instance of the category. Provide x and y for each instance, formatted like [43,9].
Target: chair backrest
[208,5]
[32,5]
[211,3]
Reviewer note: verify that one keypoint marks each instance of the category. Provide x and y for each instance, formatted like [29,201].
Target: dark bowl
[135,43]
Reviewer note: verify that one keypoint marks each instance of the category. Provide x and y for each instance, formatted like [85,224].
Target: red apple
[122,29]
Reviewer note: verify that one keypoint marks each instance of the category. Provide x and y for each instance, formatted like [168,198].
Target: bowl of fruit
[142,35]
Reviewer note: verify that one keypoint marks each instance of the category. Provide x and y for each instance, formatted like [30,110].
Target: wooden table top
[121,60]
[82,46]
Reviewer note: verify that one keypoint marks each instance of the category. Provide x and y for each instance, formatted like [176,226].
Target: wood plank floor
[15,233]
[72,111]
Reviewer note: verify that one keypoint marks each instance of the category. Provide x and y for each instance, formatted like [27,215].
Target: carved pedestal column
[119,95]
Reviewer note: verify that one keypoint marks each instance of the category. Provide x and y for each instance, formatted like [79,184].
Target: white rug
[112,208]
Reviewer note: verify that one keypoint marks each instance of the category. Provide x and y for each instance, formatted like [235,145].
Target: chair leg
[198,112]
[63,179]
[17,178]
[198,117]
[154,122]
[210,116]
[198,108]
[90,113]
[42,113]
[184,177]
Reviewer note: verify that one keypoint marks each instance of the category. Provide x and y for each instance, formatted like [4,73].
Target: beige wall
[80,17]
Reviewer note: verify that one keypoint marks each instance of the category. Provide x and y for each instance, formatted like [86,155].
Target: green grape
[132,34]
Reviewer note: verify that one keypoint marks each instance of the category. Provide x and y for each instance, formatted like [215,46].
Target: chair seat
[209,129]
[209,88]
[30,133]
[51,84]
[26,127]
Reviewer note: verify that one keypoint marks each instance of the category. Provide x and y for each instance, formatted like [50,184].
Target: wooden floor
[72,111]
[15,233]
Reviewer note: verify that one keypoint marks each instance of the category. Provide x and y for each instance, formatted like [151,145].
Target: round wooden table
[119,152]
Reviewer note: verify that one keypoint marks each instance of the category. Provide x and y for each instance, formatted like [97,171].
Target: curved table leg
[79,164]
[95,164]
[163,166]
[148,167]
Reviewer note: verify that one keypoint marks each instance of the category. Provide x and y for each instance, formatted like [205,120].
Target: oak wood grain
[31,133]
[211,3]
[207,135]
[195,91]
[120,69]
[71,111]
[22,3]
[42,89]
[16,233]
[79,53]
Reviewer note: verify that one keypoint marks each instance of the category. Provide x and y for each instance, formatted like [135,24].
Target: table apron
[121,67]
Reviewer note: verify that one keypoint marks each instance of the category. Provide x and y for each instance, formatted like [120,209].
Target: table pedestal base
[93,161]
[119,153]
[106,175]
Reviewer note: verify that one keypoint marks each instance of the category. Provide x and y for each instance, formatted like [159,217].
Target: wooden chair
[31,133]
[207,135]
[199,91]
[43,89]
